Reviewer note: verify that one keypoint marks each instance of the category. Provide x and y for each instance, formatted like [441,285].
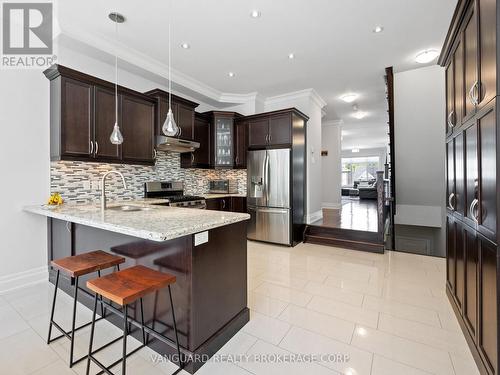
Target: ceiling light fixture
[255,13]
[116,136]
[185,45]
[355,150]
[426,56]
[349,98]
[170,128]
[359,115]
[231,74]
[291,56]
[378,29]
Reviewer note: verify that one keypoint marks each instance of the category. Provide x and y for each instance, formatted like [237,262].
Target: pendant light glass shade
[116,137]
[170,128]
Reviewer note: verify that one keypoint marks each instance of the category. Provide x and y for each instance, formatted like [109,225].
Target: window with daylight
[360,170]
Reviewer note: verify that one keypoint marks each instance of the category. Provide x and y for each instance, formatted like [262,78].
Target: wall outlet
[86,185]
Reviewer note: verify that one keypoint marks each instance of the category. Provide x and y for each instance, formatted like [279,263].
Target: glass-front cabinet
[223,141]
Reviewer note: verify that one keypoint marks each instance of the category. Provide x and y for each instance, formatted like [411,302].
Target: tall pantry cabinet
[472,200]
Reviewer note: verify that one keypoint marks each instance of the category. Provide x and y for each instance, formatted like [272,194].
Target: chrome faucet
[103,187]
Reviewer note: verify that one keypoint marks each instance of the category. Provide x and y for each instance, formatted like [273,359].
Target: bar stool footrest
[67,333]
[106,369]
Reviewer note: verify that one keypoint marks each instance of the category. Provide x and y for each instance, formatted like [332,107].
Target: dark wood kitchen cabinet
[182,109]
[273,129]
[138,141]
[240,144]
[200,158]
[71,114]
[222,138]
[229,203]
[473,131]
[82,117]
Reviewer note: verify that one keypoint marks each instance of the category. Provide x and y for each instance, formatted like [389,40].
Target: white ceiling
[334,46]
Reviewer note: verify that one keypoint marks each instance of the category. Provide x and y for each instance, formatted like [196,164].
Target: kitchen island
[206,251]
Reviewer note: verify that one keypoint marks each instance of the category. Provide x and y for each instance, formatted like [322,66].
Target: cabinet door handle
[475,92]
[270,138]
[450,204]
[91,147]
[180,131]
[192,158]
[237,159]
[450,123]
[96,148]
[267,138]
[223,203]
[472,97]
[155,154]
[472,210]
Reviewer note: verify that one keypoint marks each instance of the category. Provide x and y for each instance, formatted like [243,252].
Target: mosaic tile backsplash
[70,177]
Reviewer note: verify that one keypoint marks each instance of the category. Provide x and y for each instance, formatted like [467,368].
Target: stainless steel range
[171,193]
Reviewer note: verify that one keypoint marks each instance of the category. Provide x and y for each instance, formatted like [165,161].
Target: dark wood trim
[456,23]
[60,70]
[465,331]
[278,112]
[348,244]
[164,94]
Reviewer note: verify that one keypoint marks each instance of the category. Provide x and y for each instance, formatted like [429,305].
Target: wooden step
[346,238]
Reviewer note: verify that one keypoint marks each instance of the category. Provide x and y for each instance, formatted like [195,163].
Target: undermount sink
[127,208]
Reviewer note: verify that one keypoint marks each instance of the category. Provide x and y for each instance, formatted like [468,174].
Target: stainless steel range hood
[164,143]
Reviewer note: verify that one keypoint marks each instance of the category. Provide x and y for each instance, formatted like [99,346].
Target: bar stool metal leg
[75,300]
[103,309]
[125,334]
[53,308]
[142,322]
[181,365]
[92,328]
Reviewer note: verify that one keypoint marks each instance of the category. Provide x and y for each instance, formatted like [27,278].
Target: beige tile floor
[388,313]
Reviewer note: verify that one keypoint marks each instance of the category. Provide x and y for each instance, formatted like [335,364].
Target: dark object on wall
[324,153]
[472,128]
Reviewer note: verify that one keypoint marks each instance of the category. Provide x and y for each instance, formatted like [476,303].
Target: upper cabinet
[272,129]
[240,143]
[470,60]
[82,116]
[183,110]
[200,158]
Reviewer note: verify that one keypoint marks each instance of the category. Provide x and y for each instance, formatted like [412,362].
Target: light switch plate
[200,238]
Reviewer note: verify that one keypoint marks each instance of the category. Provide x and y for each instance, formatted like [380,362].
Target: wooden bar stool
[76,266]
[125,287]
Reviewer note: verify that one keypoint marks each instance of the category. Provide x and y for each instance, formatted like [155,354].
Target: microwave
[223,186]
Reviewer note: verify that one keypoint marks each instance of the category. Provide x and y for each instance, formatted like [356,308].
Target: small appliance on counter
[223,187]
[171,193]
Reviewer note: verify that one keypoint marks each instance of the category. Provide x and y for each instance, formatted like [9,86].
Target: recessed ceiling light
[355,150]
[378,29]
[291,56]
[185,45]
[359,115]
[426,56]
[349,98]
[231,74]
[255,13]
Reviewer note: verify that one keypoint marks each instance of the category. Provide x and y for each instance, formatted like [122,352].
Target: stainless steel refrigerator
[269,196]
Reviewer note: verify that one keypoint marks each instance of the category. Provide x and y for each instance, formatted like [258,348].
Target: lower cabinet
[472,282]
[233,204]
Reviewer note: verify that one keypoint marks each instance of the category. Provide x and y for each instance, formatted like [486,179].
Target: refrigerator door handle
[266,178]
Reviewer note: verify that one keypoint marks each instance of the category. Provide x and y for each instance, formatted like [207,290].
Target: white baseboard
[331,205]
[315,216]
[23,279]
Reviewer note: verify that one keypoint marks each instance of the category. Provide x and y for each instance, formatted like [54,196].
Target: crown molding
[338,122]
[99,47]
[296,95]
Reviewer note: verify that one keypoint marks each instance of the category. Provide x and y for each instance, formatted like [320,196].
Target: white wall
[308,105]
[419,114]
[24,162]
[331,166]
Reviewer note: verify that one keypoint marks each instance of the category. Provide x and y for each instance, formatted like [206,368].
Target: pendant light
[170,128]
[116,136]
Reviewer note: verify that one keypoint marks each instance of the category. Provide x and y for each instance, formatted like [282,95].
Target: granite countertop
[157,223]
[213,196]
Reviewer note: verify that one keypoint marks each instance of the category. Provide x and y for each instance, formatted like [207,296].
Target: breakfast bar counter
[206,251]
